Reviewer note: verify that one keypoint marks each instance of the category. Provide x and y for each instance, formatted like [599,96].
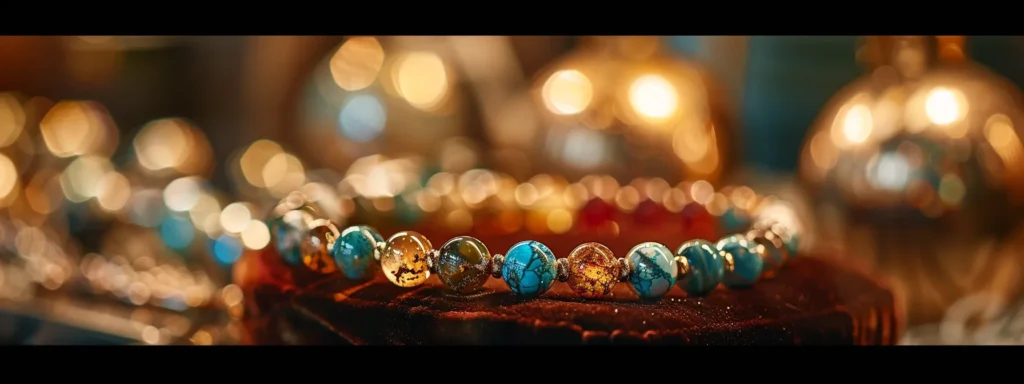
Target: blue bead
[707,267]
[288,232]
[734,220]
[529,268]
[354,251]
[747,264]
[652,270]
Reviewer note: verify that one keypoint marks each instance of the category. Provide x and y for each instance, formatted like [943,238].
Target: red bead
[698,223]
[650,214]
[596,213]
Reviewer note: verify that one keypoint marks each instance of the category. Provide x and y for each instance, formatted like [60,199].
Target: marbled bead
[652,270]
[746,262]
[355,251]
[404,260]
[288,232]
[317,245]
[463,264]
[529,268]
[706,267]
[593,270]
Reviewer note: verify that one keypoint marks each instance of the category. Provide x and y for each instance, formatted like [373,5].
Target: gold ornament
[617,91]
[917,168]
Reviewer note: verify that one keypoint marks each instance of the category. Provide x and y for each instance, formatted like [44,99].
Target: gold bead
[593,270]
[316,249]
[405,260]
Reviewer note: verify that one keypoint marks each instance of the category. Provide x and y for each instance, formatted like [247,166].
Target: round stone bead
[529,268]
[317,245]
[405,259]
[463,264]
[355,252]
[652,270]
[706,267]
[288,231]
[746,262]
[593,270]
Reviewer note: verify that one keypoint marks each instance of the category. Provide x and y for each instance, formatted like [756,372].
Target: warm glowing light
[559,221]
[12,119]
[890,172]
[422,79]
[8,176]
[945,106]
[567,92]
[79,179]
[113,191]
[182,194]
[857,124]
[283,173]
[235,218]
[355,65]
[205,214]
[162,144]
[1003,138]
[256,235]
[68,129]
[255,159]
[653,97]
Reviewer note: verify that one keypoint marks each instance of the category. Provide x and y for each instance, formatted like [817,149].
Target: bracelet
[529,268]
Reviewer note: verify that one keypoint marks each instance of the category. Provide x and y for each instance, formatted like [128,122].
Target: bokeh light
[356,63]
[362,118]
[421,78]
[567,92]
[653,97]
[12,119]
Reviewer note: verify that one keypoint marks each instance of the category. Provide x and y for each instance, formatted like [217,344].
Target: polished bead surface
[772,250]
[652,270]
[404,260]
[706,267]
[529,268]
[747,263]
[288,232]
[593,270]
[355,251]
[316,247]
[463,264]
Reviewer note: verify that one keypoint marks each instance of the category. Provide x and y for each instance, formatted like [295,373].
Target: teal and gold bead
[355,251]
[772,250]
[317,245]
[463,264]
[593,270]
[652,270]
[529,268]
[705,267]
[746,261]
[405,260]
[288,231]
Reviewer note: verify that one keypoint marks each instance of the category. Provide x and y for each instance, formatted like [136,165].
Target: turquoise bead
[288,232]
[734,220]
[652,270]
[747,264]
[707,267]
[529,268]
[355,251]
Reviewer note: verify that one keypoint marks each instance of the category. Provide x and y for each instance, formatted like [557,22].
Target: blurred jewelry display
[302,236]
[619,92]
[78,225]
[917,169]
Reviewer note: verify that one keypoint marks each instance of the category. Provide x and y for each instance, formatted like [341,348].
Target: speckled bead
[705,267]
[405,259]
[746,262]
[288,232]
[652,270]
[463,264]
[593,270]
[529,268]
[317,246]
[355,251]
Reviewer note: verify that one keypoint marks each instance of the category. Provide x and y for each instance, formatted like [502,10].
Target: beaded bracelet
[529,268]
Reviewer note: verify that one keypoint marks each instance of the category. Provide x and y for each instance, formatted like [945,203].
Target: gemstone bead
[746,262]
[706,267]
[405,259]
[773,251]
[529,268]
[652,270]
[593,270]
[463,264]
[317,245]
[288,232]
[355,252]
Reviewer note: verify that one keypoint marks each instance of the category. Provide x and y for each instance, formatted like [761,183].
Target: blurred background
[136,170]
